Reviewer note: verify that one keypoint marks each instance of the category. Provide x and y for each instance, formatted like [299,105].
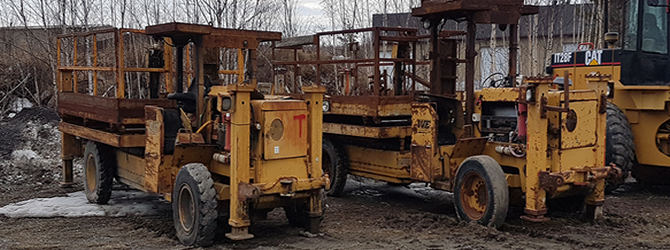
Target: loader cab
[644,56]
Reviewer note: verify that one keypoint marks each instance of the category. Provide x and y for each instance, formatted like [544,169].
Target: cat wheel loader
[638,108]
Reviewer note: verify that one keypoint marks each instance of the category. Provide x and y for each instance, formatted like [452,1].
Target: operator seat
[652,39]
[450,116]
[172,118]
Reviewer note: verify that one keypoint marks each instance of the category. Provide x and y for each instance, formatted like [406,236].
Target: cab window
[654,29]
[630,39]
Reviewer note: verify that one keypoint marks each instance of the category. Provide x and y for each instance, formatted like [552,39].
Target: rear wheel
[194,206]
[620,148]
[335,163]
[481,192]
[99,164]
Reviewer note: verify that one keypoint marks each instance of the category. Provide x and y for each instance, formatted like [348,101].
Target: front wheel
[99,164]
[620,148]
[481,193]
[194,206]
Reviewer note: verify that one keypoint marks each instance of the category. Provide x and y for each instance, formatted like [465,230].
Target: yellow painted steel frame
[385,165]
[239,157]
[572,158]
[69,149]
[277,177]
[425,162]
[650,104]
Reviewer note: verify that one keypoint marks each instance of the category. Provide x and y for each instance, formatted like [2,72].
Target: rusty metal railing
[379,36]
[67,71]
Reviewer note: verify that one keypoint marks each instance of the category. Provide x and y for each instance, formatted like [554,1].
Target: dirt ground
[370,215]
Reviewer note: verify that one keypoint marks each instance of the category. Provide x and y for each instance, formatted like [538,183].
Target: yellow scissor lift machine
[213,150]
[524,140]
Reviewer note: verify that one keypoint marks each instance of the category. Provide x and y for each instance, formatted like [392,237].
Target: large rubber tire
[481,193]
[99,167]
[620,148]
[335,163]
[194,206]
[298,214]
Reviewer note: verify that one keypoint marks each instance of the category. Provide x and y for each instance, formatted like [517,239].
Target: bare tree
[290,22]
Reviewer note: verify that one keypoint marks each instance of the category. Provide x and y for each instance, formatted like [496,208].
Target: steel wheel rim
[90,172]
[186,208]
[474,195]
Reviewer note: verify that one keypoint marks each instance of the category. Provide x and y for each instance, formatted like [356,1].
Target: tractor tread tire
[105,161]
[198,177]
[497,190]
[620,148]
[339,166]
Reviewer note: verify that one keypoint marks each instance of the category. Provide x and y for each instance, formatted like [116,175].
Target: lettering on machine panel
[563,58]
[593,57]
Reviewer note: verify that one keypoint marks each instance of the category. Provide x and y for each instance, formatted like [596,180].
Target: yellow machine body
[647,109]
[557,161]
[272,156]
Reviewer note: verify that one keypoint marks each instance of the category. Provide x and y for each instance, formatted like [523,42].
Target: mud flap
[424,141]
[421,168]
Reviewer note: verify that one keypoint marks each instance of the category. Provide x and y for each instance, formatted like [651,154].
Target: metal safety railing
[70,65]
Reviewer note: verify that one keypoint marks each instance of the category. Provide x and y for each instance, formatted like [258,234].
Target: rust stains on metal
[110,110]
[116,140]
[551,181]
[189,138]
[155,135]
[247,191]
[421,168]
[468,146]
[367,131]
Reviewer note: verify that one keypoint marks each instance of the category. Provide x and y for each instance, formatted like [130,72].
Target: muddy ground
[370,215]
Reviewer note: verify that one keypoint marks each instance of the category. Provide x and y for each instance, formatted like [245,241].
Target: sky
[310,8]
[311,11]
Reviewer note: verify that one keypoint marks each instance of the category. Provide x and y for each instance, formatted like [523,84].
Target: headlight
[476,117]
[226,103]
[326,106]
[276,130]
[530,96]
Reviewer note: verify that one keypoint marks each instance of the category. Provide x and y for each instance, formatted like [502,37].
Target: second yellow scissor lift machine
[520,142]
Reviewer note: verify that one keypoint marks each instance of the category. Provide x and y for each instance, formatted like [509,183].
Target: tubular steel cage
[69,67]
[103,58]
[377,37]
[109,75]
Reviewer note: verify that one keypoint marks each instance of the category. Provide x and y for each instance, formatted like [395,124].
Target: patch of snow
[122,203]
[24,154]
[19,104]
[74,205]
[11,115]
